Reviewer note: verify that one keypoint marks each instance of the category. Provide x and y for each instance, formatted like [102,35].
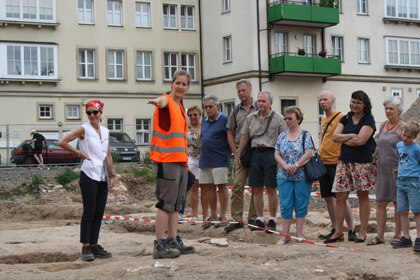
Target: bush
[66,177]
[146,173]
[36,181]
[145,158]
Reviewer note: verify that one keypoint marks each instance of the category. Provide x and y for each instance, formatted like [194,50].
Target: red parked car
[24,154]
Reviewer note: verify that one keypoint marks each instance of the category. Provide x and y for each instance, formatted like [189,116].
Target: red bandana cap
[97,104]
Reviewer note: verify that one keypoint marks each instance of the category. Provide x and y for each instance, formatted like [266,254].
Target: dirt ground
[36,243]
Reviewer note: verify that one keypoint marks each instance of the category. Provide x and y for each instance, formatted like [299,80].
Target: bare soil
[36,243]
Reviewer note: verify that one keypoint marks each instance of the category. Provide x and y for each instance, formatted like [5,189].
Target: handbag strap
[303,141]
[268,123]
[325,130]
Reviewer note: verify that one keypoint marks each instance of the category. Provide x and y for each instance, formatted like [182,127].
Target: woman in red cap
[96,175]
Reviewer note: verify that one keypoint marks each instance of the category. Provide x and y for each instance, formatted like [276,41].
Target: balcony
[301,14]
[292,64]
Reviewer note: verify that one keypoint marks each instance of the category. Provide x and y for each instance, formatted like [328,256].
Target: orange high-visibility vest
[170,146]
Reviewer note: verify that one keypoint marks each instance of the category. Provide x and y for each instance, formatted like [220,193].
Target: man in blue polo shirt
[214,160]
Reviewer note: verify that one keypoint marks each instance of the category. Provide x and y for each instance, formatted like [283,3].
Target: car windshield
[123,138]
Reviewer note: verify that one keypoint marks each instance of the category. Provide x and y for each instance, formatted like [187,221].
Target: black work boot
[176,243]
[233,227]
[87,254]
[162,251]
[99,252]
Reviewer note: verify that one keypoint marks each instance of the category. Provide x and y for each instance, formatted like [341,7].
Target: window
[85,11]
[115,65]
[407,9]
[362,7]
[143,131]
[188,64]
[337,47]
[418,93]
[402,51]
[363,50]
[286,103]
[280,43]
[227,49]
[309,44]
[45,112]
[225,6]
[30,10]
[115,125]
[86,64]
[396,92]
[170,65]
[144,65]
[142,14]
[308,2]
[337,5]
[73,112]
[169,17]
[227,107]
[114,13]
[29,60]
[187,17]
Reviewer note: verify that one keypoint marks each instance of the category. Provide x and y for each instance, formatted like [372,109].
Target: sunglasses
[192,115]
[208,106]
[92,112]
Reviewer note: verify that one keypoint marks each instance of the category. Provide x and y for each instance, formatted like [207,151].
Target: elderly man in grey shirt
[263,126]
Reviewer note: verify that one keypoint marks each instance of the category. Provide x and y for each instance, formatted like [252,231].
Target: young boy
[408,183]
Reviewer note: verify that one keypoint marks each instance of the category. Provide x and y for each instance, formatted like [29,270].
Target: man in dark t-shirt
[38,139]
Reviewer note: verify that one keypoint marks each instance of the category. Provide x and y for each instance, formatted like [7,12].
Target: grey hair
[396,101]
[211,97]
[241,81]
[267,92]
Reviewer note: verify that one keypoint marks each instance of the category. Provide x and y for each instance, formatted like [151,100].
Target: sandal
[360,240]
[395,239]
[375,241]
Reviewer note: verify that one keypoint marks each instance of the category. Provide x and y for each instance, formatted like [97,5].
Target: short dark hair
[362,96]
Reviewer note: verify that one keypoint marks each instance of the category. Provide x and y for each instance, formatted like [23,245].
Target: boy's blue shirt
[409,160]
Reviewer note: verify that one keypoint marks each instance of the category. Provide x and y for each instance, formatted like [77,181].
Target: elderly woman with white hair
[386,161]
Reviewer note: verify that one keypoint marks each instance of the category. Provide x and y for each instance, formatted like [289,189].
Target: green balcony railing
[298,13]
[289,63]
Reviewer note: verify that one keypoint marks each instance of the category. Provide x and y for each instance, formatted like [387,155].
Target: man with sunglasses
[214,160]
[240,174]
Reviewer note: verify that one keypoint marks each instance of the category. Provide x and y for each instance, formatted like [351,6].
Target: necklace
[391,128]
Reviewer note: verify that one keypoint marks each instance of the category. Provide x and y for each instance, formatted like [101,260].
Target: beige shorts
[217,176]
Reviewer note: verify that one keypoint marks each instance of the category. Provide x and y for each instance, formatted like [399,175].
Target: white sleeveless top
[96,149]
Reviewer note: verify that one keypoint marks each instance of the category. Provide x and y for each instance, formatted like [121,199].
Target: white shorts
[217,176]
[193,165]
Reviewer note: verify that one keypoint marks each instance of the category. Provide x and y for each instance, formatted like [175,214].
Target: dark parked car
[123,147]
[24,154]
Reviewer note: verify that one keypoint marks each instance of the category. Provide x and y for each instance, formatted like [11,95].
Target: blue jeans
[408,194]
[294,195]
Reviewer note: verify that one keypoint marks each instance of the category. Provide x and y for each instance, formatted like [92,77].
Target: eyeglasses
[192,115]
[287,119]
[92,112]
[208,106]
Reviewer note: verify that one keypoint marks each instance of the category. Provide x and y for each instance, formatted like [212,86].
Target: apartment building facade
[296,49]
[57,55]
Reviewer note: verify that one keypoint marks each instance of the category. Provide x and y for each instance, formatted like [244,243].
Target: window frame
[188,67]
[306,46]
[366,51]
[340,39]
[393,5]
[86,64]
[114,64]
[140,13]
[362,5]
[170,66]
[84,11]
[114,13]
[143,52]
[288,98]
[186,17]
[37,19]
[226,6]
[143,131]
[114,124]
[398,53]
[169,15]
[22,61]
[418,92]
[277,44]
[71,117]
[51,112]
[227,49]
[397,92]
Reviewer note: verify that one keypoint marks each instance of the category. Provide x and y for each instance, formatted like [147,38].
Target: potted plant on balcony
[327,3]
[301,51]
[323,53]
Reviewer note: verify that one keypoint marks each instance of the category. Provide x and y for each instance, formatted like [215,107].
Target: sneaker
[352,235]
[258,223]
[162,251]
[99,252]
[207,225]
[417,245]
[221,225]
[251,222]
[232,227]
[177,244]
[180,218]
[87,254]
[328,236]
[404,242]
[271,226]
